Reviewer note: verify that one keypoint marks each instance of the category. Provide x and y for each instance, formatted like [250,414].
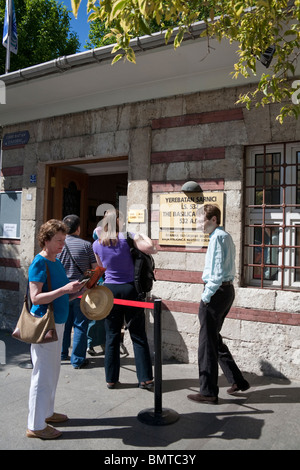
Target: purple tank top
[117,260]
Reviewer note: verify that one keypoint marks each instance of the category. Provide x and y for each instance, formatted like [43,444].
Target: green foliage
[108,27]
[253,25]
[98,35]
[43,33]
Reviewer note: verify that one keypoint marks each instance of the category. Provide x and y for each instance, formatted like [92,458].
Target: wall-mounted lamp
[267,56]
[191,187]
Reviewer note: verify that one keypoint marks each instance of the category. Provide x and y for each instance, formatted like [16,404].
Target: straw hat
[96,303]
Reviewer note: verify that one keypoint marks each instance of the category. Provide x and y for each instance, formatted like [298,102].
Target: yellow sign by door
[136,216]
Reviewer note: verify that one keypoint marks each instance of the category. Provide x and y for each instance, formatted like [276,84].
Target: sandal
[146,385]
[57,418]
[48,433]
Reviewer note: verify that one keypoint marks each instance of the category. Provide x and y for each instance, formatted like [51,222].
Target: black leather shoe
[146,385]
[197,397]
[110,385]
[235,388]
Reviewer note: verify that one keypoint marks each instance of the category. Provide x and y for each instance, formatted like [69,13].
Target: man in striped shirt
[77,256]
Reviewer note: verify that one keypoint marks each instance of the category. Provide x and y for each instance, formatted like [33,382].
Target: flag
[14,36]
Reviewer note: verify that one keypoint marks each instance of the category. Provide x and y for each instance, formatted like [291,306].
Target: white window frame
[287,216]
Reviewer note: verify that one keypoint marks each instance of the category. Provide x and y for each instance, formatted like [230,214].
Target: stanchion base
[150,416]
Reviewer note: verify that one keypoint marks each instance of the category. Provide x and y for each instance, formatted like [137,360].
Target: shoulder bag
[36,330]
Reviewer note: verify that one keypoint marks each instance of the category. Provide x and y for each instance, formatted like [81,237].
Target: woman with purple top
[113,253]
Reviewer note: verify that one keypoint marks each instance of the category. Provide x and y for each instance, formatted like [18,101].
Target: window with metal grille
[272,216]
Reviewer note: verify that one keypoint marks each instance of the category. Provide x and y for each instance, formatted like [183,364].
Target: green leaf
[144,26]
[178,39]
[168,34]
[75,4]
[290,32]
[92,17]
[117,8]
[116,48]
[240,10]
[130,55]
[116,58]
[143,6]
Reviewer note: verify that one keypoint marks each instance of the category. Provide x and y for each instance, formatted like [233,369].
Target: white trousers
[46,360]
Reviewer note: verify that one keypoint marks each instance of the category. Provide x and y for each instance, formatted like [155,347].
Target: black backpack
[143,269]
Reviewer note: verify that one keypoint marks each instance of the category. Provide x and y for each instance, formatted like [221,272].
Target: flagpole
[9,8]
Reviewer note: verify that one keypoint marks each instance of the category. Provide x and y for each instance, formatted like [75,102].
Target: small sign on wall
[10,214]
[15,139]
[136,216]
[9,231]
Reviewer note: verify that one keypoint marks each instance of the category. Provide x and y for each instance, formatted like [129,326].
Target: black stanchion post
[157,357]
[158,416]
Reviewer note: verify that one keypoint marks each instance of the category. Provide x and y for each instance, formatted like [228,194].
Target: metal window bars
[271,241]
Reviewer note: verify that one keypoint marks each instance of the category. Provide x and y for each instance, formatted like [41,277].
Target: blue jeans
[96,333]
[135,317]
[80,323]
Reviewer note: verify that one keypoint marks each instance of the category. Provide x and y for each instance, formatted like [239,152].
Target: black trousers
[113,325]
[212,351]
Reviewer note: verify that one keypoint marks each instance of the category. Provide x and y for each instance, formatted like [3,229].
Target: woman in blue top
[46,357]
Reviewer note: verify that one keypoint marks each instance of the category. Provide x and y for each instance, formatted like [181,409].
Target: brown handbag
[36,330]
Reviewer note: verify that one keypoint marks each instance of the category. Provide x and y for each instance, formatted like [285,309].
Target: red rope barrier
[134,303]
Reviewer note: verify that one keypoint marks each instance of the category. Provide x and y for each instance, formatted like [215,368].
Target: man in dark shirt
[77,256]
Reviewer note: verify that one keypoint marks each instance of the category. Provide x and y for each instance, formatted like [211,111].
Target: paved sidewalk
[265,417]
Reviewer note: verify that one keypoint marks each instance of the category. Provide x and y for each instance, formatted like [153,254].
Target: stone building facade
[201,136]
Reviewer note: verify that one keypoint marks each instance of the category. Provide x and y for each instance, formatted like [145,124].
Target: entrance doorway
[80,188]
